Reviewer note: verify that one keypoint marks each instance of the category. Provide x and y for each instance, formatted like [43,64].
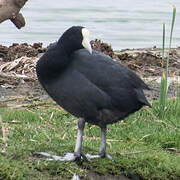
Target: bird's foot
[104,155]
[67,157]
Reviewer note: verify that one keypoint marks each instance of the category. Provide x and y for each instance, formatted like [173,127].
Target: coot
[90,85]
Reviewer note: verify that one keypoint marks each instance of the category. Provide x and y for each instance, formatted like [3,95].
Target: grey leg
[78,148]
[102,150]
[69,156]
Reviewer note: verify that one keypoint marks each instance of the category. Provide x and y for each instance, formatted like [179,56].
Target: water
[122,23]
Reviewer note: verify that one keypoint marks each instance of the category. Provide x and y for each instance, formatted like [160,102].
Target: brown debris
[148,62]
[105,48]
[18,50]
[19,60]
[19,69]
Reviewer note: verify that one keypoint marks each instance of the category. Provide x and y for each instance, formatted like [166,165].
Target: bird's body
[91,86]
[96,88]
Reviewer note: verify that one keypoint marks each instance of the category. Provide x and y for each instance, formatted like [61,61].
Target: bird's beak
[86,43]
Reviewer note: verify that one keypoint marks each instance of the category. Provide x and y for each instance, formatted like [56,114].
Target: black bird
[90,85]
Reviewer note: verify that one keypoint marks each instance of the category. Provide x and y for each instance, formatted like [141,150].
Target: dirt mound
[20,59]
[105,48]
[18,62]
[17,67]
[18,50]
[148,62]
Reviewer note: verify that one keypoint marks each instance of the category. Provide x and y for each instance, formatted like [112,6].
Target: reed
[164,78]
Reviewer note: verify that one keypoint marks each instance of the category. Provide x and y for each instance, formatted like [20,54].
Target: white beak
[86,43]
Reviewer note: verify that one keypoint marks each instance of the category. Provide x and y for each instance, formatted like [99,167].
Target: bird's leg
[69,156]
[78,147]
[102,150]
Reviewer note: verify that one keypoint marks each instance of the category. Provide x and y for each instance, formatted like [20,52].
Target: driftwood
[9,9]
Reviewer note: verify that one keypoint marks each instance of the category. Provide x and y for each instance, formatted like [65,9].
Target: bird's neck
[66,47]
[53,63]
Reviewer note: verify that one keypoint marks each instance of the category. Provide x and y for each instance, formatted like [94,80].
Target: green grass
[144,146]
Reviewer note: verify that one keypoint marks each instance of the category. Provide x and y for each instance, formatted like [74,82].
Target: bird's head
[76,37]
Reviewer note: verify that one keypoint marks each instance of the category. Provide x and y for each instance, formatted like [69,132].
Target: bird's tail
[142,98]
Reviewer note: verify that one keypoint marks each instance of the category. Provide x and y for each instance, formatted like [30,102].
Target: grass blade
[164,78]
[170,42]
[163,83]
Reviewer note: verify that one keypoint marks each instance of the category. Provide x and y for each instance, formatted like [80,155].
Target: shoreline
[18,78]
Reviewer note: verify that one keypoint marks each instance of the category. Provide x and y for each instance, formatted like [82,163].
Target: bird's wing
[102,70]
[79,96]
[114,79]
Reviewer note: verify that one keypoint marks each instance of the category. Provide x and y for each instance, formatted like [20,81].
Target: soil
[18,77]
[18,50]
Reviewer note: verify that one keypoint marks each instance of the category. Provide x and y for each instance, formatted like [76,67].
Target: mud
[18,77]
[16,51]
[146,61]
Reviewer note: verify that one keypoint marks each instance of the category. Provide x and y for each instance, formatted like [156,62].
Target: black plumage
[91,86]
